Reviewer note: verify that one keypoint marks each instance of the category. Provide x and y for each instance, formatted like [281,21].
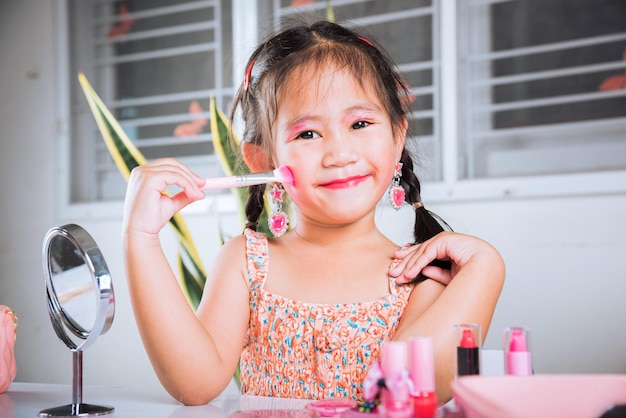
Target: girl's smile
[344,183]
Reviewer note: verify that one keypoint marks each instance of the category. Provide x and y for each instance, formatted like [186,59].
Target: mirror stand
[81,305]
[77,408]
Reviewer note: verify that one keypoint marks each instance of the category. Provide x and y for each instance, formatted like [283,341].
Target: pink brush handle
[241,180]
[220,183]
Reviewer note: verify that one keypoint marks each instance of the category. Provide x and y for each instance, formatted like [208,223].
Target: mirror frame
[63,323]
[94,260]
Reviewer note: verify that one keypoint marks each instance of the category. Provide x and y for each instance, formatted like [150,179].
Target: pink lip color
[344,183]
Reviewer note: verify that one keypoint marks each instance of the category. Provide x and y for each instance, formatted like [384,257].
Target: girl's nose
[338,151]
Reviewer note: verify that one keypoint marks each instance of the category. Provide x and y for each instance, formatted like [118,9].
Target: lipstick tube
[422,372]
[469,343]
[517,353]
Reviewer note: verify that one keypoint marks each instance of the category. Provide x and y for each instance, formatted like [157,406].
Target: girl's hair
[318,46]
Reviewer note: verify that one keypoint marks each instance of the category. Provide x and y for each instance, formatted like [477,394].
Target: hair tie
[251,225]
[247,76]
[367,41]
[417,205]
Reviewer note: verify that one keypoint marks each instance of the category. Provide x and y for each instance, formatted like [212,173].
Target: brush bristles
[284,175]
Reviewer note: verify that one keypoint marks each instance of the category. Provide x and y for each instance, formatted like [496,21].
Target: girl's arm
[478,272]
[194,359]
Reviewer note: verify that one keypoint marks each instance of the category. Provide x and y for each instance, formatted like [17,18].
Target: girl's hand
[147,208]
[454,247]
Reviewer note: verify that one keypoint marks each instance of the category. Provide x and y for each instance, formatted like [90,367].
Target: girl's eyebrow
[361,109]
[298,124]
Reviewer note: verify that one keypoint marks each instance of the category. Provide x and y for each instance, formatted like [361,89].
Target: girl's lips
[344,183]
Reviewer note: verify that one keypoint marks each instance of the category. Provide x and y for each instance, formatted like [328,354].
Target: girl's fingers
[401,252]
[168,172]
[438,274]
[440,257]
[182,199]
[411,261]
[178,168]
[149,206]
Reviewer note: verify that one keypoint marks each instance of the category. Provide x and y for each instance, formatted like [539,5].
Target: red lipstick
[468,349]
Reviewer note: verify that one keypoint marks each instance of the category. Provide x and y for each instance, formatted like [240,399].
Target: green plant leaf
[226,150]
[330,12]
[126,157]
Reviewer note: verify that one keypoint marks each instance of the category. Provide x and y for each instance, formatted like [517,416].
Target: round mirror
[81,303]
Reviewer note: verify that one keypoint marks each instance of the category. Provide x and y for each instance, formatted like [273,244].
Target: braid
[427,224]
[254,205]
[410,184]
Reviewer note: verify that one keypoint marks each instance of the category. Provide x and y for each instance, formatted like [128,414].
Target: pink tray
[563,395]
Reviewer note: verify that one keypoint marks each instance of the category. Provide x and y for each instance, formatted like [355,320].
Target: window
[516,93]
[155,64]
[523,97]
[543,87]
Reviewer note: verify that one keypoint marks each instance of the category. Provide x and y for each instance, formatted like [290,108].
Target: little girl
[308,321]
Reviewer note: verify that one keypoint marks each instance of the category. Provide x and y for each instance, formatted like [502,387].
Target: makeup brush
[280,175]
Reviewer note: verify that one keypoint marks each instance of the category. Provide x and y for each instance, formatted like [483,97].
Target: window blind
[155,64]
[540,87]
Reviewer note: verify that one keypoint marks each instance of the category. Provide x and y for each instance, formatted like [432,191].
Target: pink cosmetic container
[517,355]
[422,372]
[395,398]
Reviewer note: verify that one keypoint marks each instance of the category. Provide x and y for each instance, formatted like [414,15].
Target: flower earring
[278,221]
[396,192]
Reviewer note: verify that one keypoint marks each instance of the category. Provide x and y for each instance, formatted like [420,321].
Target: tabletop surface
[28,399]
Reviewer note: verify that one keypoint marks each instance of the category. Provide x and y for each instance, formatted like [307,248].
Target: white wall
[565,256]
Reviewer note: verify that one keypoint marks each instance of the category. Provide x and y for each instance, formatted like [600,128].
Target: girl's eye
[360,124]
[308,135]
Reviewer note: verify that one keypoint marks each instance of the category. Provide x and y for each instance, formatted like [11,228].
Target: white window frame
[450,189]
[101,209]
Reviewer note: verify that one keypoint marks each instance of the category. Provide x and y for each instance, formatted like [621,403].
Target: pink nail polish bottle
[395,398]
[422,371]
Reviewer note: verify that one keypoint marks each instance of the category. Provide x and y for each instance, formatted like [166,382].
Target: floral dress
[305,350]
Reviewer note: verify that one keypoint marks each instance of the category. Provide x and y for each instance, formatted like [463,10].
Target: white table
[27,399]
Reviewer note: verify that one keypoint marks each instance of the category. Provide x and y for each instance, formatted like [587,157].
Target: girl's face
[337,138]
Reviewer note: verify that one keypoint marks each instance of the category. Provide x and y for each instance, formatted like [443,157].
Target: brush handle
[216,183]
[242,180]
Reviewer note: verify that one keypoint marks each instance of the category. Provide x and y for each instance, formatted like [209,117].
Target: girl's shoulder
[233,251]
[241,244]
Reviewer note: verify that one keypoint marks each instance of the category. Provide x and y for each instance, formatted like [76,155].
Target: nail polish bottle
[517,353]
[422,372]
[395,397]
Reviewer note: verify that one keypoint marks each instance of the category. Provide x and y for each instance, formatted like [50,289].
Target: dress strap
[400,291]
[393,286]
[257,257]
